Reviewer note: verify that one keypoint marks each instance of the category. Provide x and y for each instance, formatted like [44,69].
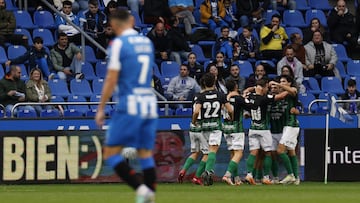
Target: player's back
[211,102]
[135,57]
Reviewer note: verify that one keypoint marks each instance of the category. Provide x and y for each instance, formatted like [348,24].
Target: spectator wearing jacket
[251,11]
[36,56]
[196,69]
[213,13]
[351,93]
[63,26]
[66,58]
[249,45]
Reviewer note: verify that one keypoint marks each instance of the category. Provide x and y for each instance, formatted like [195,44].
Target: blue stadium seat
[183,111]
[15,51]
[291,30]
[88,71]
[312,85]
[96,98]
[254,32]
[162,112]
[90,54]
[26,113]
[156,70]
[101,69]
[80,88]
[320,4]
[310,14]
[341,52]
[97,85]
[10,6]
[2,72]
[44,19]
[23,31]
[169,68]
[306,99]
[90,113]
[56,98]
[200,57]
[3,56]
[302,5]
[332,85]
[324,106]
[269,14]
[197,16]
[59,87]
[293,18]
[23,20]
[246,68]
[353,68]
[340,66]
[198,3]
[50,113]
[46,35]
[81,108]
[72,113]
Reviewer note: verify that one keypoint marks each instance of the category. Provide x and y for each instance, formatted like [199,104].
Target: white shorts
[276,137]
[260,138]
[199,142]
[214,137]
[235,141]
[289,138]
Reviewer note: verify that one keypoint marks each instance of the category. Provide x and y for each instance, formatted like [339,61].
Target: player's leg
[236,145]
[199,171]
[254,146]
[275,164]
[195,151]
[214,144]
[266,144]
[292,134]
[230,170]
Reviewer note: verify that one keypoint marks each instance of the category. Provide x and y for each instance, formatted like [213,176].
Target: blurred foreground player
[135,119]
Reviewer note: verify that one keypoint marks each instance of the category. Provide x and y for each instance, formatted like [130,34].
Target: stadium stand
[44,19]
[293,18]
[24,20]
[332,85]
[80,88]
[46,35]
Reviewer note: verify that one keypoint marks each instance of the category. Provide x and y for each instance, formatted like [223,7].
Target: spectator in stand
[320,58]
[219,80]
[249,45]
[290,4]
[182,87]
[66,58]
[162,42]
[315,24]
[12,90]
[236,51]
[342,26]
[196,70]
[36,56]
[221,65]
[7,27]
[235,76]
[351,93]
[273,37]
[259,73]
[38,5]
[110,7]
[230,11]
[224,43]
[251,11]
[183,10]
[153,10]
[213,13]
[63,26]
[290,60]
[180,47]
[93,22]
[77,5]
[298,47]
[37,90]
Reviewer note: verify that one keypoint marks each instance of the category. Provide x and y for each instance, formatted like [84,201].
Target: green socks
[294,165]
[232,168]
[286,161]
[267,165]
[250,163]
[211,161]
[200,169]
[275,168]
[188,163]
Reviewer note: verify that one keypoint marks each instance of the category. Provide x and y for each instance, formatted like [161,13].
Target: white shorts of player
[276,137]
[235,141]
[214,137]
[260,138]
[199,142]
[289,138]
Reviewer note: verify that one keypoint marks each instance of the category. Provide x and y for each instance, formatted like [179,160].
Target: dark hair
[190,54]
[38,40]
[236,65]
[209,66]
[248,27]
[120,14]
[293,37]
[262,82]
[230,85]
[111,4]
[276,16]
[62,34]
[289,79]
[224,27]
[351,83]
[289,47]
[290,70]
[321,27]
[184,65]
[94,2]
[318,32]
[208,80]
[67,3]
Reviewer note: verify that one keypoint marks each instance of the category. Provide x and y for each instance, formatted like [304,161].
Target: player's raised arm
[230,110]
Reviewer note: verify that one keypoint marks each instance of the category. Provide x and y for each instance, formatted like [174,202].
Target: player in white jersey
[135,119]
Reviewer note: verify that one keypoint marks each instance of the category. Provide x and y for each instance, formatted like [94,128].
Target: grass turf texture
[180,193]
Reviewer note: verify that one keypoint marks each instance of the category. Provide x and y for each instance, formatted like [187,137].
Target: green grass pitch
[179,193]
